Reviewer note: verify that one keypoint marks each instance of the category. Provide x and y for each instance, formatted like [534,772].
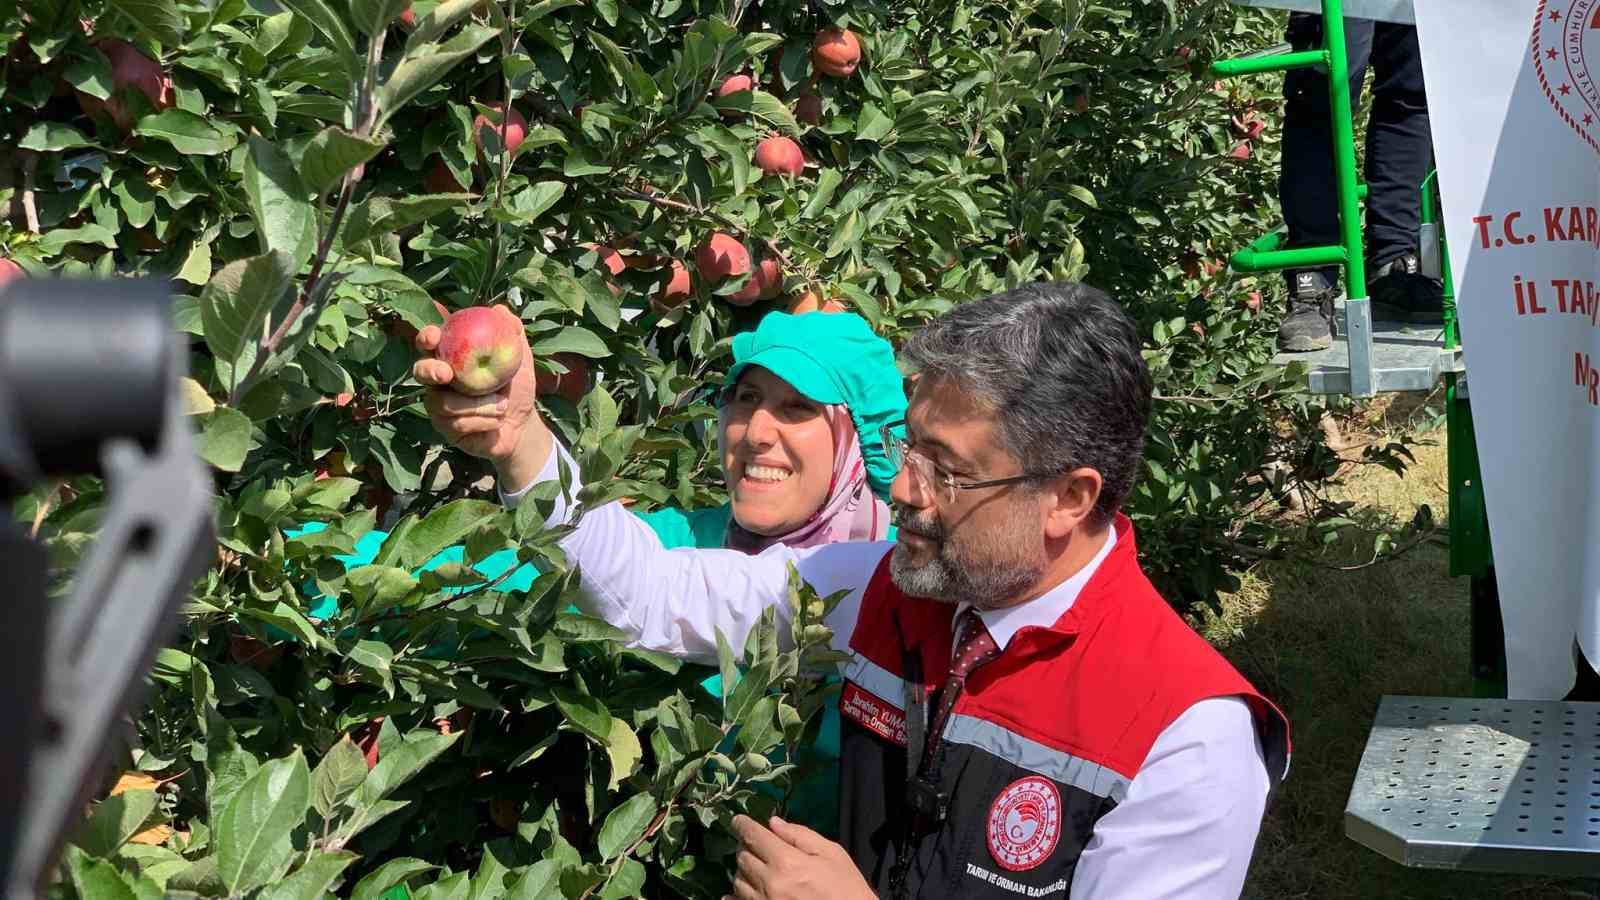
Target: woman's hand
[503,427]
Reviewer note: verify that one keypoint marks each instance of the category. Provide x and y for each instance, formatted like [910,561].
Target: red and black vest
[1043,742]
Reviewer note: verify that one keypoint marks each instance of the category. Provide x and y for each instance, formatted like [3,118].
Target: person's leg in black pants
[1307,187]
[1399,156]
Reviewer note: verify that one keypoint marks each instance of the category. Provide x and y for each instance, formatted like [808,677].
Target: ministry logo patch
[1025,823]
[1566,35]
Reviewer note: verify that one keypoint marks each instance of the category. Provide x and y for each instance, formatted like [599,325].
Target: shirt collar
[1043,611]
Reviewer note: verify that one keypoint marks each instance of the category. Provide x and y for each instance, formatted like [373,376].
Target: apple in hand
[483,344]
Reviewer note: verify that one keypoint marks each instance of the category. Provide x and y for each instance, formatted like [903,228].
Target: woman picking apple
[801,390]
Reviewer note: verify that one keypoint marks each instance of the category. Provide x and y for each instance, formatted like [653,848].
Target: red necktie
[976,648]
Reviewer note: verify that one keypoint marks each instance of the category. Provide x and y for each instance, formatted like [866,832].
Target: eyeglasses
[929,473]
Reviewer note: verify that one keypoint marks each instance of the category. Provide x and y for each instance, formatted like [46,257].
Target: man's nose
[905,491]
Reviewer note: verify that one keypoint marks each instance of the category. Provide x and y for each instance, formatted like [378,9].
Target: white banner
[1516,127]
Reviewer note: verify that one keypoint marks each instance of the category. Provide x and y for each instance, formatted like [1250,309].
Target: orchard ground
[1326,644]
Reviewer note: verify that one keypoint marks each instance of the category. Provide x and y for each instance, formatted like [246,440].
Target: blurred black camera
[89,385]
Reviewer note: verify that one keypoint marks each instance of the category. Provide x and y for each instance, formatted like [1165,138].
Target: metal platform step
[1481,785]
[1404,358]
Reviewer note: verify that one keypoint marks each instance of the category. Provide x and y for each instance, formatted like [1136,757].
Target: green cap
[833,358]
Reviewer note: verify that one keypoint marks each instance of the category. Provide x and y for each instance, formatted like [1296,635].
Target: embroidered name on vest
[871,712]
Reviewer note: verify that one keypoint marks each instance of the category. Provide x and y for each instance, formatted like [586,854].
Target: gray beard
[988,585]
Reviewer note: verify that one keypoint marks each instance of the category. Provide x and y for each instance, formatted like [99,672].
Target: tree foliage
[322,176]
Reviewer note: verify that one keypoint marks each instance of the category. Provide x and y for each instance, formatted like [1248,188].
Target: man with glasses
[1023,715]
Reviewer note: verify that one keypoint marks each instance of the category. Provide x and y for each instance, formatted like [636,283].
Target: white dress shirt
[1186,828]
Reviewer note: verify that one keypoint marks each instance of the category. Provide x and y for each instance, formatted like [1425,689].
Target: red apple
[409,17]
[777,155]
[130,70]
[516,128]
[249,651]
[610,258]
[440,180]
[721,256]
[1240,151]
[10,271]
[811,301]
[483,344]
[1252,301]
[366,740]
[675,290]
[836,52]
[764,284]
[570,386]
[733,84]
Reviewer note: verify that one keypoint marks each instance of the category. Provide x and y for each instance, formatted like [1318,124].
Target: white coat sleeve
[1188,825]
[676,601]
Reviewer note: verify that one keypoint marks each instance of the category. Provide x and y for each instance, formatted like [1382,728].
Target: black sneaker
[1401,293]
[1308,324]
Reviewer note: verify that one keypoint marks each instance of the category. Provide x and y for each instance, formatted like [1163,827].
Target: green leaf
[290,619]
[381,215]
[528,205]
[440,20]
[766,106]
[828,181]
[160,19]
[187,132]
[337,776]
[114,820]
[578,163]
[422,67]
[443,527]
[330,154]
[55,240]
[758,728]
[373,16]
[326,21]
[872,124]
[315,878]
[279,203]
[587,713]
[624,750]
[225,440]
[1083,194]
[572,339]
[396,768]
[90,74]
[101,880]
[540,881]
[626,824]
[386,876]
[236,302]
[253,834]
[48,136]
[376,657]
[726,663]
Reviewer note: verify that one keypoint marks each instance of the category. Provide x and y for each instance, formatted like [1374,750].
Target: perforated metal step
[1404,358]
[1481,785]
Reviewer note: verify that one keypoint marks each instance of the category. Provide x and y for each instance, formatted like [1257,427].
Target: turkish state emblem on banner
[1566,40]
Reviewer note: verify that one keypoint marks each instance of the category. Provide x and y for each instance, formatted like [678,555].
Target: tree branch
[680,206]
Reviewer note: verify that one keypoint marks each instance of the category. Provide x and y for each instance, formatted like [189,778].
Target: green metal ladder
[1382,358]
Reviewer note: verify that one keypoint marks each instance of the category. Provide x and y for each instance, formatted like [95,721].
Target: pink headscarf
[851,512]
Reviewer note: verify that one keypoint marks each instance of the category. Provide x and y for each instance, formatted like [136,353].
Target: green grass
[1326,644]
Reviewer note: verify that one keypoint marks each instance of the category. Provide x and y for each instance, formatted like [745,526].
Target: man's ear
[1072,497]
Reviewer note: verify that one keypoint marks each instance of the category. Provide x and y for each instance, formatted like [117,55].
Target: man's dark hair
[1060,366]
